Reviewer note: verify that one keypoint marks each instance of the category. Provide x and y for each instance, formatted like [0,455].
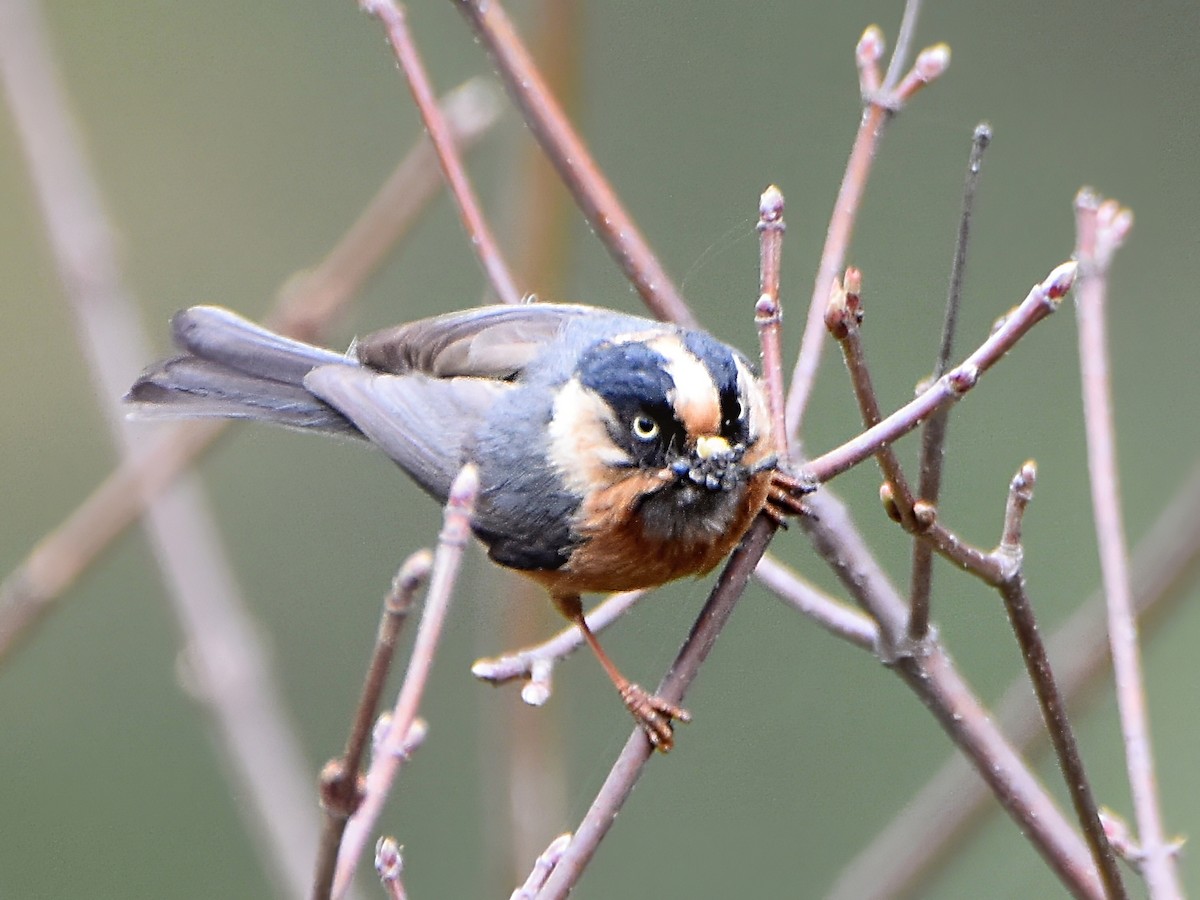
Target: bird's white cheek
[580,447]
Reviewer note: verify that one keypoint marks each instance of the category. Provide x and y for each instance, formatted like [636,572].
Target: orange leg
[651,712]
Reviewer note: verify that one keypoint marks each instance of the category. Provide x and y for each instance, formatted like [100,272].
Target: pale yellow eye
[644,428]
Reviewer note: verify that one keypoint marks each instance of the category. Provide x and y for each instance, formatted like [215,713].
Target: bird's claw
[654,715]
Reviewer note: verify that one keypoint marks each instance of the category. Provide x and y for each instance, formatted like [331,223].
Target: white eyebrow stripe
[695,397]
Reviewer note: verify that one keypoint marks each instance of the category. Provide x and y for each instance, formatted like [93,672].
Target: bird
[614,452]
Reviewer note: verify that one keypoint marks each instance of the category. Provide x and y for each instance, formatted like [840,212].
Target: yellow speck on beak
[711,445]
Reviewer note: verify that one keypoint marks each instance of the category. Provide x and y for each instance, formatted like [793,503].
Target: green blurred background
[234,142]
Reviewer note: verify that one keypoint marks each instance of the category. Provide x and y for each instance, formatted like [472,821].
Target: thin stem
[395,22]
[1042,300]
[933,435]
[833,615]
[341,792]
[389,864]
[542,867]
[1041,675]
[1101,229]
[570,156]
[455,533]
[537,662]
[307,306]
[843,318]
[936,819]
[880,107]
[767,312]
[904,40]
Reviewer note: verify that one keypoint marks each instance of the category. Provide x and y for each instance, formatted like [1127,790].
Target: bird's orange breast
[616,553]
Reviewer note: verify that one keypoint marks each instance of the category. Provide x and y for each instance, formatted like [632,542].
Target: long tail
[232,368]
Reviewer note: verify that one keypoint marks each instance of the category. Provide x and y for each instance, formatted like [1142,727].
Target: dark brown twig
[880,106]
[575,165]
[1101,228]
[307,307]
[341,791]
[843,318]
[933,435]
[1037,663]
[482,241]
[452,541]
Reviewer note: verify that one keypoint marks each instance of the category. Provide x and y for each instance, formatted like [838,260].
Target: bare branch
[1101,228]
[389,863]
[933,435]
[575,165]
[537,663]
[479,233]
[880,106]
[1037,663]
[542,867]
[456,531]
[1167,559]
[1042,300]
[341,791]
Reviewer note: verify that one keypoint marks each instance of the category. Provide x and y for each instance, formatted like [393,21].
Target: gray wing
[426,425]
[495,342]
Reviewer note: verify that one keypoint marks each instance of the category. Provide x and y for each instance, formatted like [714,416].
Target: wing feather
[489,342]
[426,425]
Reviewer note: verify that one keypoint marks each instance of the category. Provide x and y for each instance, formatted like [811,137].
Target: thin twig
[542,867]
[937,818]
[308,305]
[879,110]
[395,22]
[933,435]
[843,318]
[456,530]
[767,313]
[1042,300]
[389,864]
[1101,228]
[833,615]
[575,165]
[1037,663]
[904,40]
[341,791]
[228,662]
[537,662]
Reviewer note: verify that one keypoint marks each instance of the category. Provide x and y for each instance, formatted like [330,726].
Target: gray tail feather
[232,368]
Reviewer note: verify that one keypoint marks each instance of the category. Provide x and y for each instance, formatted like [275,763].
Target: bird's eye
[644,428]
